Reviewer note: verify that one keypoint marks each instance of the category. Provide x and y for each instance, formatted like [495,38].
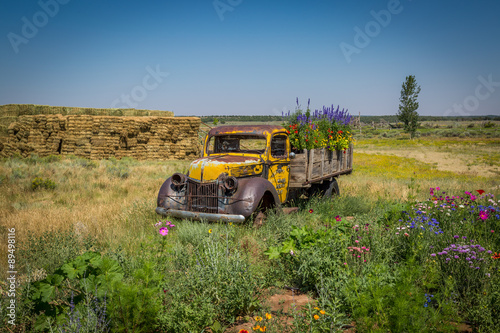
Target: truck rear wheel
[332,189]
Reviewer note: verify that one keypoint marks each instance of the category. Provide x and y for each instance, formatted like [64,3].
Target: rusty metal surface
[244,201]
[262,130]
[202,197]
[200,216]
[209,168]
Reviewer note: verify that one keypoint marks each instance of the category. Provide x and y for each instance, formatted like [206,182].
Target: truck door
[279,168]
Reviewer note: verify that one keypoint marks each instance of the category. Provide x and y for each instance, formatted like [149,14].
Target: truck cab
[242,170]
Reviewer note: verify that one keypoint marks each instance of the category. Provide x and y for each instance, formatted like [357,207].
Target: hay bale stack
[10,112]
[98,137]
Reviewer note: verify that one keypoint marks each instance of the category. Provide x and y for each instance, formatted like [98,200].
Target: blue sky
[251,57]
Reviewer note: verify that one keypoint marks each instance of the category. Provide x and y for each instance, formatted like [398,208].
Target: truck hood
[207,169]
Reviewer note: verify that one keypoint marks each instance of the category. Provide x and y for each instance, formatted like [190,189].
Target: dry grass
[90,196]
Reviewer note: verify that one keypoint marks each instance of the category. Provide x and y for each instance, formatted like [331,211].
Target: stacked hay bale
[10,112]
[98,137]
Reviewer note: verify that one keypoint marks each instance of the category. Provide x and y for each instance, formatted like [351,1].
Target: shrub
[45,183]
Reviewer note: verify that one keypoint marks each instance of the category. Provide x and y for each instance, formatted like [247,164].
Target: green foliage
[408,106]
[49,250]
[133,304]
[42,183]
[88,272]
[393,299]
[214,283]
[87,317]
[307,254]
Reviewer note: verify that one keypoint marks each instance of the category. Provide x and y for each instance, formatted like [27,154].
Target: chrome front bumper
[212,217]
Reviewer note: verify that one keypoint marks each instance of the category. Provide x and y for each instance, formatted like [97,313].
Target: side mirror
[292,154]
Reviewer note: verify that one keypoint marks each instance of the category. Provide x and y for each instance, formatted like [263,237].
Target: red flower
[310,210]
[296,132]
[340,132]
[243,331]
[480,191]
[496,256]
[338,218]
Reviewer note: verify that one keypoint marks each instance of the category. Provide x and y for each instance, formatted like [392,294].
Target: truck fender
[250,193]
[167,190]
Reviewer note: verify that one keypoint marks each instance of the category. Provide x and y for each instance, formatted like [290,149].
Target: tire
[332,190]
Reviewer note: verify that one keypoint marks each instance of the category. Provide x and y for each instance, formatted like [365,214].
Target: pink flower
[345,263]
[483,215]
[492,230]
[163,231]
[356,241]
[338,218]
[406,234]
[437,188]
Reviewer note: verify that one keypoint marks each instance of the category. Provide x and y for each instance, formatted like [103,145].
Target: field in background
[97,194]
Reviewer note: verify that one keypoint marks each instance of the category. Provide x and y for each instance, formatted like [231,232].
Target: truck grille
[202,198]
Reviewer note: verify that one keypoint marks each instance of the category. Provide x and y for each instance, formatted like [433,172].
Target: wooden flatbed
[317,165]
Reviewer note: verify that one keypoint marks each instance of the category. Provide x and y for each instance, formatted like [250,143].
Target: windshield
[223,144]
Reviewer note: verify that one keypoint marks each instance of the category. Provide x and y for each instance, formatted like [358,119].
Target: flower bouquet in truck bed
[322,145]
[327,128]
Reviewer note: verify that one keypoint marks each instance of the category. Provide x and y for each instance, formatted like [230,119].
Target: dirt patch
[444,161]
[281,305]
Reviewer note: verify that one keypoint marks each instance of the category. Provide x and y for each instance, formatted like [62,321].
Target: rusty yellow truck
[248,169]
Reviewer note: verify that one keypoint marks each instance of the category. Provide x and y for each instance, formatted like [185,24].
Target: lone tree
[408,105]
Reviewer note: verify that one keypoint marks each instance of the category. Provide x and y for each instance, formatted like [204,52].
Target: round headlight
[178,179]
[231,183]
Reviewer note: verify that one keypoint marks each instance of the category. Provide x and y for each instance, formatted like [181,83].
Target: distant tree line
[364,119]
